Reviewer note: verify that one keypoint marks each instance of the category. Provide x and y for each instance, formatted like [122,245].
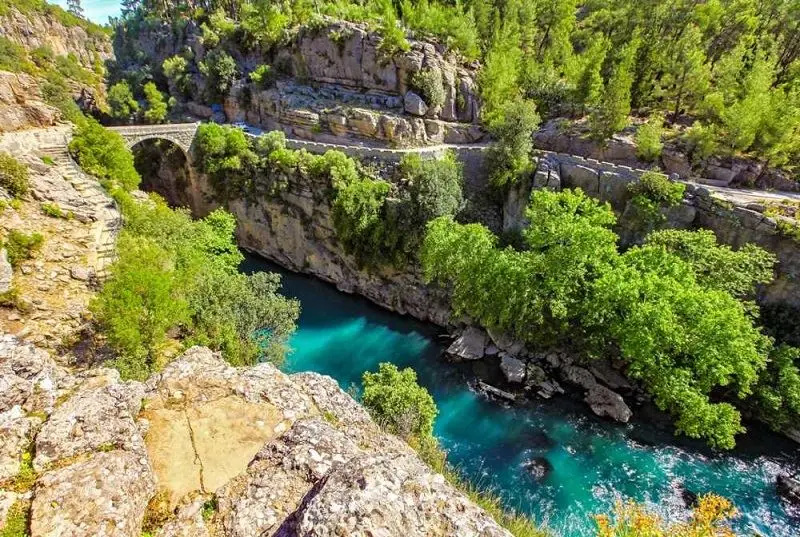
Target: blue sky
[96,10]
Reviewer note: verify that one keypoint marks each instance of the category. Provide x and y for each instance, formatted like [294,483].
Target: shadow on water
[551,459]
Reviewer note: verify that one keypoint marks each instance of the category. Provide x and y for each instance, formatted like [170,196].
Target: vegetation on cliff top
[176,280]
[725,74]
[677,309]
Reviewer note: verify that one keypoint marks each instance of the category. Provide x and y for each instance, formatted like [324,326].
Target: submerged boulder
[538,468]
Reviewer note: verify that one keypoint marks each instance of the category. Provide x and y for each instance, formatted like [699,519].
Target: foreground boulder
[203,449]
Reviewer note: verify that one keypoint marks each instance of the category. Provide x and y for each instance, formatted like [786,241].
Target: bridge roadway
[182,134]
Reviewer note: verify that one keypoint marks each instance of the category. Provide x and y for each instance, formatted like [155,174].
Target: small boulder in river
[538,468]
[513,369]
[789,488]
[606,403]
[470,345]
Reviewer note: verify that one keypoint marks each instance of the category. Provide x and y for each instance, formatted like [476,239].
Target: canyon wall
[333,82]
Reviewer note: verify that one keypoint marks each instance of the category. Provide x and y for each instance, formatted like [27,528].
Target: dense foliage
[103,153]
[121,103]
[677,309]
[13,176]
[397,402]
[651,194]
[21,246]
[176,275]
[376,220]
[176,280]
[729,68]
[156,110]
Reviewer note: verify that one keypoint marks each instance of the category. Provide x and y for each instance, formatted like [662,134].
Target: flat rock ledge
[205,449]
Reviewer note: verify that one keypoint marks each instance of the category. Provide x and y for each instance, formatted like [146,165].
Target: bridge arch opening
[165,169]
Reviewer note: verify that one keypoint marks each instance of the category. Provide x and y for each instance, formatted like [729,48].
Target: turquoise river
[593,461]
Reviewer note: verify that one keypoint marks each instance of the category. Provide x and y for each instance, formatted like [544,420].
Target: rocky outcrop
[285,455]
[334,82]
[21,103]
[295,229]
[42,28]
[60,279]
[329,114]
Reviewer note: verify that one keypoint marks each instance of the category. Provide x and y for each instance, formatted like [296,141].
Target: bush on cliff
[13,176]
[510,155]
[103,153]
[395,400]
[121,103]
[669,308]
[179,277]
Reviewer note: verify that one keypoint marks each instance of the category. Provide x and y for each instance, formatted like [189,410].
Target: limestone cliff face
[41,29]
[294,228]
[205,449]
[333,82]
[22,105]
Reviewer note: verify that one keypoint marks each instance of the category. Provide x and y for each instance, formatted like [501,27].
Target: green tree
[103,153]
[139,304]
[121,103]
[220,70]
[510,155]
[612,113]
[435,185]
[156,110]
[777,395]
[395,400]
[718,266]
[175,69]
[648,139]
[589,83]
[687,75]
[680,339]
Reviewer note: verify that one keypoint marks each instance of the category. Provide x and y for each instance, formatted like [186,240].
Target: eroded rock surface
[236,452]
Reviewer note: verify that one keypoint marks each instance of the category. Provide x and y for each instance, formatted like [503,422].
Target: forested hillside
[716,78]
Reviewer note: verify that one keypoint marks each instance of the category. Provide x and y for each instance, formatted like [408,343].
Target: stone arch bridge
[181,134]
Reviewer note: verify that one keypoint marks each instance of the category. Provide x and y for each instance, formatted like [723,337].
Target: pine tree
[589,83]
[612,114]
[687,74]
[74,7]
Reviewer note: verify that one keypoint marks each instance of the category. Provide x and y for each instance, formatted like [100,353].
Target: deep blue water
[593,461]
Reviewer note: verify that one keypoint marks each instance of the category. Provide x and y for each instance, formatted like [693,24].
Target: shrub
[393,37]
[52,209]
[710,518]
[174,69]
[13,176]
[13,57]
[17,520]
[175,276]
[156,110]
[121,102]
[263,76]
[428,82]
[139,303]
[103,153]
[652,193]
[435,186]
[395,400]
[510,155]
[648,139]
[21,246]
[220,69]
[357,216]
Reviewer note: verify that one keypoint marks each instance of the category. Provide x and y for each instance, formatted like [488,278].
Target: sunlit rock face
[276,452]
